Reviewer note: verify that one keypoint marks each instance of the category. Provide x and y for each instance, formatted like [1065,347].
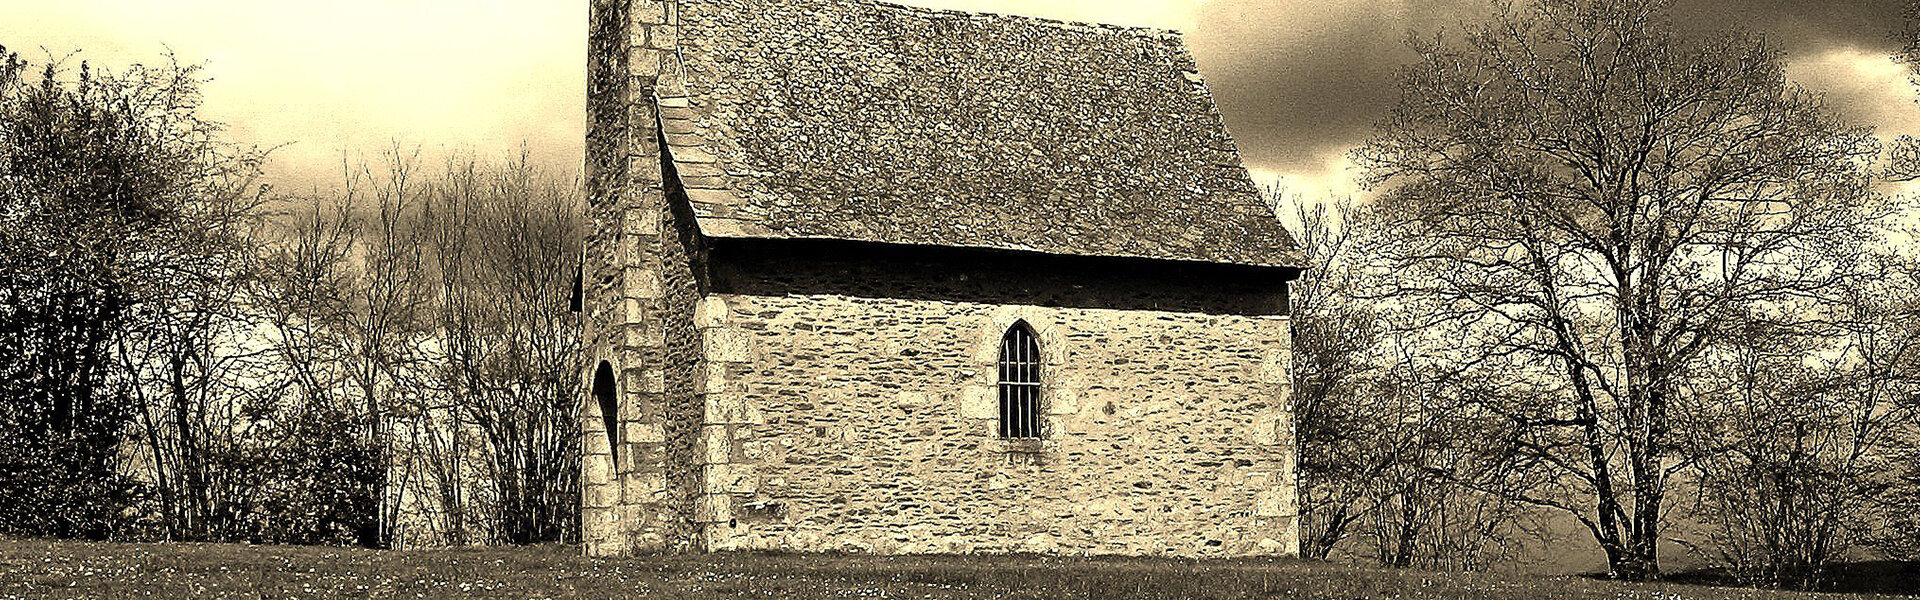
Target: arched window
[606,397]
[1019,383]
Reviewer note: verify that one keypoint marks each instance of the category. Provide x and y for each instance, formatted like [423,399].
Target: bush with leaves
[109,184]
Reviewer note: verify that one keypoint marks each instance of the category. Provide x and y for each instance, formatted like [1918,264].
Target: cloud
[1299,81]
[1302,81]
[1802,26]
[1862,86]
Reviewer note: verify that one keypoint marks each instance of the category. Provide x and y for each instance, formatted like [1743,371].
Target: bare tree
[429,318]
[388,306]
[1384,453]
[503,241]
[1441,501]
[1595,200]
[190,361]
[1334,339]
[1815,418]
[327,476]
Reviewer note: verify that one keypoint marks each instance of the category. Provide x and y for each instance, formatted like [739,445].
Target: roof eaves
[717,207]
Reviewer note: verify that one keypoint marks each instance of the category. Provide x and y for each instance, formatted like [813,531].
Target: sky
[1300,82]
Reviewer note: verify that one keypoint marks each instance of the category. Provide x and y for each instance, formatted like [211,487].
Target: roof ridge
[1158,32]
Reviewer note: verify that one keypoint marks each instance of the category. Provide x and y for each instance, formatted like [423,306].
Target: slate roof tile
[861,120]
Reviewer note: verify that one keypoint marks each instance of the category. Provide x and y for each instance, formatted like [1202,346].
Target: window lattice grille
[1019,383]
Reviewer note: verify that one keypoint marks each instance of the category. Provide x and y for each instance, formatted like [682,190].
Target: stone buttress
[639,485]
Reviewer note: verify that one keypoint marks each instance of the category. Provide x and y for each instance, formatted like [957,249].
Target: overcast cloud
[1300,81]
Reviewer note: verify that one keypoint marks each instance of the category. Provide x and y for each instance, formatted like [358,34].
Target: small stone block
[603,549]
[637,488]
[653,381]
[745,481]
[643,284]
[631,312]
[726,345]
[681,113]
[710,312]
[692,154]
[719,537]
[690,172]
[712,381]
[1276,365]
[731,408]
[717,479]
[597,470]
[1062,401]
[630,251]
[1270,503]
[642,221]
[713,508]
[595,437]
[1266,429]
[979,402]
[715,445]
[601,496]
[643,433]
[646,64]
[662,38]
[712,197]
[649,12]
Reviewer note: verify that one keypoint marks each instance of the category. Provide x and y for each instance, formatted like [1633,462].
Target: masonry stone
[806,294]
[979,403]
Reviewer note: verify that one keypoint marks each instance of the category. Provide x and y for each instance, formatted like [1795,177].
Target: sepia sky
[1300,81]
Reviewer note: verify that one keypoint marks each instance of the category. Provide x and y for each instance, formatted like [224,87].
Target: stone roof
[859,120]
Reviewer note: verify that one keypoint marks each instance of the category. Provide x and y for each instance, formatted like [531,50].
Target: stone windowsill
[1018,446]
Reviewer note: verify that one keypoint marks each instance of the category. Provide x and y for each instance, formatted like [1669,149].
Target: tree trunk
[1317,547]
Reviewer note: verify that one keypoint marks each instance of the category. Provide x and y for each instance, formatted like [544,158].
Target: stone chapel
[872,278]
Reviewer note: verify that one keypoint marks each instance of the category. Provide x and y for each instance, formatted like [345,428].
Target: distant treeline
[186,354]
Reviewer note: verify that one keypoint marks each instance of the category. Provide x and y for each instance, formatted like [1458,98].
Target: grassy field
[39,569]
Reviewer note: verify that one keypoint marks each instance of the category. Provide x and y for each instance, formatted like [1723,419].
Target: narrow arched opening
[606,398]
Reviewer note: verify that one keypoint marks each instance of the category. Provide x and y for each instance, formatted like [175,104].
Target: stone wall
[638,482]
[868,424]
[601,272]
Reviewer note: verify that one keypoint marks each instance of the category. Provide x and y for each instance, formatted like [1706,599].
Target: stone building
[865,277]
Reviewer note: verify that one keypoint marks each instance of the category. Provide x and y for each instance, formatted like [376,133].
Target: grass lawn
[40,569]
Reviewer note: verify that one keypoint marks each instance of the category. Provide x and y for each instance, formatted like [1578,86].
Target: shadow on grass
[1879,577]
[1889,577]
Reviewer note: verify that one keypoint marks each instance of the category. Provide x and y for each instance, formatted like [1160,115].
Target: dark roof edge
[1288,273]
[1294,260]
